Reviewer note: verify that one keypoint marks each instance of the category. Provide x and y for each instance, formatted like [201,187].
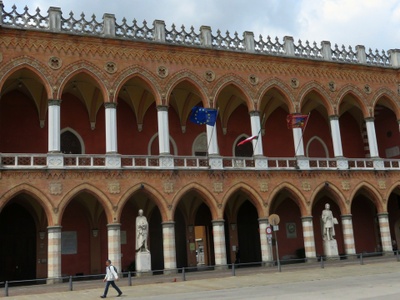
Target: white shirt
[111,275]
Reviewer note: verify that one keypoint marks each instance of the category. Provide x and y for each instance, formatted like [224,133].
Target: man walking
[111,275]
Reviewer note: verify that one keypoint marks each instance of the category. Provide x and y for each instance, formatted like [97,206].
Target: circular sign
[269,230]
[274,219]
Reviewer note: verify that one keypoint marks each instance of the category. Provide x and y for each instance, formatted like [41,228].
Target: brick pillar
[54,254]
[386,238]
[114,244]
[348,234]
[219,242]
[266,249]
[168,229]
[308,236]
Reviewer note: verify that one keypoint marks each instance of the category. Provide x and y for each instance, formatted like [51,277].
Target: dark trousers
[108,283]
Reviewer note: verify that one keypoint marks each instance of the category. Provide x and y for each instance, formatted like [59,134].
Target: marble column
[166,161]
[266,248]
[114,244]
[342,163]
[215,160]
[219,242]
[256,130]
[372,142]
[54,254]
[308,236]
[169,250]
[348,234]
[384,228]
[111,127]
[54,125]
[302,162]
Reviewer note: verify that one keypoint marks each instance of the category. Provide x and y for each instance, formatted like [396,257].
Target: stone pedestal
[331,249]
[143,263]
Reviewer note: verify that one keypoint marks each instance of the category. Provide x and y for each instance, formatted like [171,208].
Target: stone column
[166,161]
[54,254]
[308,236]
[114,244]
[299,148]
[372,143]
[256,130]
[348,234]
[54,126]
[215,160]
[111,127]
[168,229]
[337,143]
[386,238]
[219,242]
[266,248]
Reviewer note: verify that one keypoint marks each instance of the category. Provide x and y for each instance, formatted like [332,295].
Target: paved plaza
[376,279]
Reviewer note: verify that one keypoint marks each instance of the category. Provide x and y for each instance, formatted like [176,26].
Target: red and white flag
[249,139]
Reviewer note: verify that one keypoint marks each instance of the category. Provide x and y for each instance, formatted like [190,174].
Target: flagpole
[302,133]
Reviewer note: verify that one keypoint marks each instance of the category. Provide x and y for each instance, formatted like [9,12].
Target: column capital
[263,220]
[52,102]
[347,217]
[114,226]
[168,224]
[110,105]
[254,113]
[162,108]
[218,222]
[54,228]
[369,119]
[382,215]
[306,218]
[333,117]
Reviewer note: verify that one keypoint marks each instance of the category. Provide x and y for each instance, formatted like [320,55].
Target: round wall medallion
[162,71]
[294,83]
[209,75]
[110,67]
[253,79]
[55,62]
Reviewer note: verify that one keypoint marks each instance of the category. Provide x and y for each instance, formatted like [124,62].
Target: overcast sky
[372,23]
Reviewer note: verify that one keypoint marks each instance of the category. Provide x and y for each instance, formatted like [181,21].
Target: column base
[55,160]
[302,163]
[342,163]
[113,160]
[166,161]
[261,162]
[378,164]
[215,162]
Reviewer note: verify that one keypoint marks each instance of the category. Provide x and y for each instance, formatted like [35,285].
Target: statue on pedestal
[328,232]
[142,228]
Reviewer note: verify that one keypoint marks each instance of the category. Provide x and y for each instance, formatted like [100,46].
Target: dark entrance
[17,244]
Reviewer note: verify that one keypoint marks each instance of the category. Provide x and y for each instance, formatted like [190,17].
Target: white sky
[372,23]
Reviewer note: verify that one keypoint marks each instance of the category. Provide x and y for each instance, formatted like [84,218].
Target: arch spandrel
[281,87]
[36,194]
[254,197]
[89,69]
[335,194]
[152,192]
[189,76]
[298,198]
[95,192]
[31,64]
[239,83]
[206,196]
[320,91]
[372,192]
[356,94]
[135,71]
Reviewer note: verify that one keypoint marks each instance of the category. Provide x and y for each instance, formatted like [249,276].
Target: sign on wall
[69,242]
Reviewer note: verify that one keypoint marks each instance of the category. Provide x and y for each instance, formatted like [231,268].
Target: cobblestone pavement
[375,279]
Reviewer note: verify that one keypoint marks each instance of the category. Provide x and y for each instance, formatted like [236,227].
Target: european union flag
[201,115]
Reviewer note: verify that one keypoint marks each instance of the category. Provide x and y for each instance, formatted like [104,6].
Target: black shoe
[119,294]
[103,296]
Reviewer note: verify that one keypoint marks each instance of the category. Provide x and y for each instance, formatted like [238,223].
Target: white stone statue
[142,229]
[328,223]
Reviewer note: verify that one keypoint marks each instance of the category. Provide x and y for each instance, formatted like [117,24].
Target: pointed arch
[136,71]
[78,136]
[298,197]
[35,193]
[171,140]
[390,190]
[32,64]
[87,68]
[206,195]
[254,197]
[152,192]
[333,191]
[357,95]
[91,189]
[239,83]
[282,88]
[318,139]
[194,79]
[372,191]
[321,91]
[390,100]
